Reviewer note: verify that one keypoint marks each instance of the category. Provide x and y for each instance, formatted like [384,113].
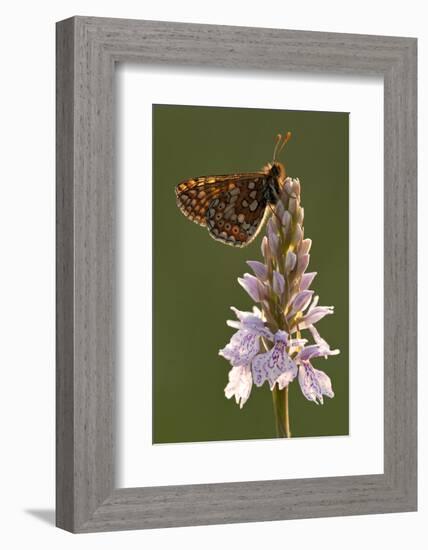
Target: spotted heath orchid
[268,346]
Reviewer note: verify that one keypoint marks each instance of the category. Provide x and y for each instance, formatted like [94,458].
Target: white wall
[27,270]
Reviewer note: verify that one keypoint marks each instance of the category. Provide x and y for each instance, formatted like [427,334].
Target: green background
[195,277]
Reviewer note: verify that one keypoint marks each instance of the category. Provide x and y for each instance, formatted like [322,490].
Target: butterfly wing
[236,214]
[195,194]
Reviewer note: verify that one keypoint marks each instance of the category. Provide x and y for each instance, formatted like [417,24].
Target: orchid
[268,345]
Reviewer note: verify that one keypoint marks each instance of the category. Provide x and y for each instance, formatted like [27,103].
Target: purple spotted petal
[272,364]
[241,349]
[251,322]
[239,386]
[309,352]
[314,383]
[286,377]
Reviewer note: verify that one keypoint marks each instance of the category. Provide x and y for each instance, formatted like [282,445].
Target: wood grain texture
[87,50]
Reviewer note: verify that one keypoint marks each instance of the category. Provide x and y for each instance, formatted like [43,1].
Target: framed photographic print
[236,274]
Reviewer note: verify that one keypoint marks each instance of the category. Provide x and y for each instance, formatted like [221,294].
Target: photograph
[250,273]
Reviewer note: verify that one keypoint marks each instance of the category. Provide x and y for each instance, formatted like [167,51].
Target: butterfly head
[276,169]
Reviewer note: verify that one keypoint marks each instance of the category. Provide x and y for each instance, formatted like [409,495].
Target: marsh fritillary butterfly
[233,207]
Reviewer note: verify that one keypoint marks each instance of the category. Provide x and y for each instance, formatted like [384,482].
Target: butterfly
[234,207]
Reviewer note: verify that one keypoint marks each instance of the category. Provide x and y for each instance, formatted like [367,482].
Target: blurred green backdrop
[195,277]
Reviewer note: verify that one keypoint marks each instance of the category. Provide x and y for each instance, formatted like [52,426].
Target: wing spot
[254,205]
[251,185]
[241,218]
[244,203]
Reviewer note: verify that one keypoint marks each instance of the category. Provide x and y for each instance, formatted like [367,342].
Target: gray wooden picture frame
[87,51]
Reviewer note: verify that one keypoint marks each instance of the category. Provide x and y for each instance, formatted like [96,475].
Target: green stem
[280,407]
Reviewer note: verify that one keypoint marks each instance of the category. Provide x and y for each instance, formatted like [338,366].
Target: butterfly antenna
[277,142]
[286,139]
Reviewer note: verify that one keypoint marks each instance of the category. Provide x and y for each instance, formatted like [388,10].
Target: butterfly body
[233,207]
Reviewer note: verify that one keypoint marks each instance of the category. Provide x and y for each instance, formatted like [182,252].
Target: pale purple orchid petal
[302,300]
[324,383]
[314,303]
[247,320]
[253,287]
[295,186]
[309,352]
[260,269]
[278,283]
[314,383]
[297,236]
[239,386]
[265,248]
[242,348]
[286,221]
[315,315]
[289,187]
[270,365]
[285,378]
[302,264]
[272,238]
[292,205]
[323,345]
[306,280]
[257,328]
[279,210]
[305,246]
[290,261]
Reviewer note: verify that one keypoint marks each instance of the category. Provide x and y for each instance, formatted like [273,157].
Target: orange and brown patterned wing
[195,194]
[236,214]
